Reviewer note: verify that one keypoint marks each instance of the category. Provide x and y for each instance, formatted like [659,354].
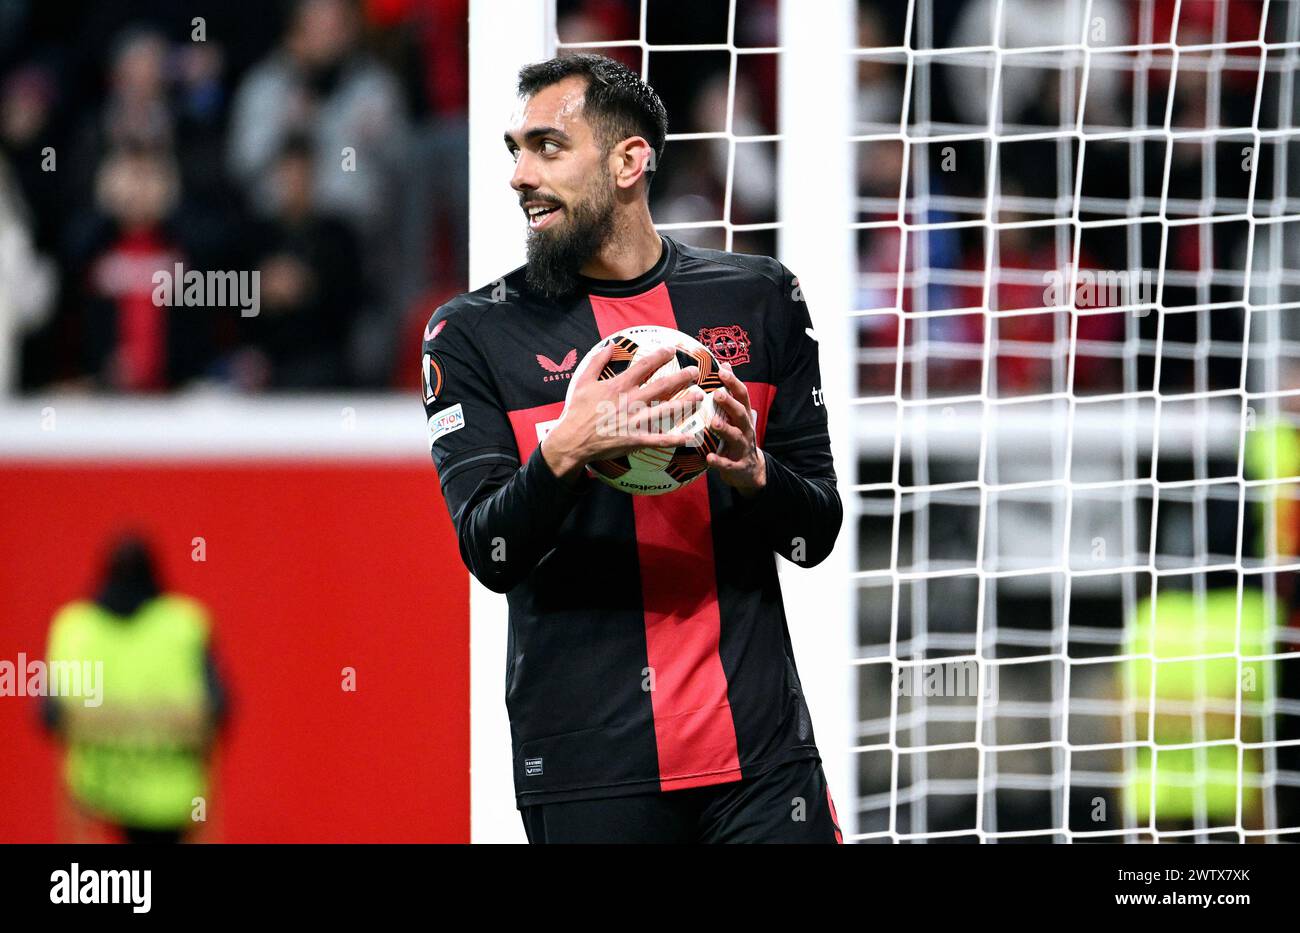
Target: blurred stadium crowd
[323,143]
[1038,180]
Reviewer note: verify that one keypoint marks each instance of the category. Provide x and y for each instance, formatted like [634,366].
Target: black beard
[555,257]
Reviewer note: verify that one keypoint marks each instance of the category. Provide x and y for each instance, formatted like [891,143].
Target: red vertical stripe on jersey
[525,422]
[839,836]
[694,730]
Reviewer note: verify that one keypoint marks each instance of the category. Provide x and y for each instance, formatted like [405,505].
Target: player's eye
[555,147]
[514,153]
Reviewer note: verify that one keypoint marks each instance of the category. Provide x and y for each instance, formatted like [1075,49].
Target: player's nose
[524,177]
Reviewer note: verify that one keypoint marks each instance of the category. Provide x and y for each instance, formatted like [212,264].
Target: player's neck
[632,250]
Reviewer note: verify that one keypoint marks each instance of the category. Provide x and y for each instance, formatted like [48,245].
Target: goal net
[1052,248]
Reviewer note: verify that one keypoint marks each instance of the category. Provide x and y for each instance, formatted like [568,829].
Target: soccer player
[650,680]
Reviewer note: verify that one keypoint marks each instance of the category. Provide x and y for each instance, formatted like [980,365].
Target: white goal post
[503,37]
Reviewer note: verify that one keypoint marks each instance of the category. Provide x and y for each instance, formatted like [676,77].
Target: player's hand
[610,417]
[738,462]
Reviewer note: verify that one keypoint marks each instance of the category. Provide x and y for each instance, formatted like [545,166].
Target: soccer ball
[653,471]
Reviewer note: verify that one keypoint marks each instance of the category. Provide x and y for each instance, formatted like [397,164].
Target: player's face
[563,180]
[555,153]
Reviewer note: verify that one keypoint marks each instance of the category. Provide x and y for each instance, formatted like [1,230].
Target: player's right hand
[610,417]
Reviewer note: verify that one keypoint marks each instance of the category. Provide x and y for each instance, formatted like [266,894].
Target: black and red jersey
[648,647]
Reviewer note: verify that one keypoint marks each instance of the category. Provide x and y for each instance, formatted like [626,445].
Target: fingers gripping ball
[653,471]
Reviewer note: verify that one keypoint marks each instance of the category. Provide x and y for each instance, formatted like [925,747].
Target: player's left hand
[739,461]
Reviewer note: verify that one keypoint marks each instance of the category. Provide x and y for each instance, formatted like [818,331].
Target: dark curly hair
[617,104]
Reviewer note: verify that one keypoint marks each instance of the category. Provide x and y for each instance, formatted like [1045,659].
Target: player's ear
[630,159]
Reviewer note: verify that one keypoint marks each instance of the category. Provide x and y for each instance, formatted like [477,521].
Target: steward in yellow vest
[139,758]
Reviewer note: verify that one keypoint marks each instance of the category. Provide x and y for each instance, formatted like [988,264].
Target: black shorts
[791,803]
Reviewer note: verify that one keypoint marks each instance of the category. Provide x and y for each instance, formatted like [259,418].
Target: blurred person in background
[1196,705]
[881,249]
[1032,348]
[880,90]
[139,761]
[696,190]
[135,114]
[1273,453]
[1196,697]
[1033,24]
[753,194]
[28,280]
[138,110]
[322,84]
[1273,526]
[310,286]
[32,217]
[129,343]
[596,21]
[199,100]
[26,100]
[426,44]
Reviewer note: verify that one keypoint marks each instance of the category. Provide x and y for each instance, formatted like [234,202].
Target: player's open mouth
[540,215]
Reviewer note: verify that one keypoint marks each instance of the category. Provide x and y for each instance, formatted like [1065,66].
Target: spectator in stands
[310,285]
[1033,271]
[129,342]
[138,111]
[322,84]
[753,193]
[880,88]
[426,42]
[28,280]
[695,189]
[26,102]
[199,96]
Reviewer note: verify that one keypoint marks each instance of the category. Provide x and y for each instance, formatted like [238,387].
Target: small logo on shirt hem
[532,767]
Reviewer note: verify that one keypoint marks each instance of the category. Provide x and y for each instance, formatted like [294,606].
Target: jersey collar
[626,288]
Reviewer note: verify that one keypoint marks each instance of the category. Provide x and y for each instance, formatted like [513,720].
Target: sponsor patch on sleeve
[444,422]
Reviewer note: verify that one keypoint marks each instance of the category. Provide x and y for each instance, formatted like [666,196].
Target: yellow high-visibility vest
[1195,701]
[153,660]
[1273,452]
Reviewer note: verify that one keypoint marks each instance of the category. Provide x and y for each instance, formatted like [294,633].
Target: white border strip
[204,427]
[817,97]
[504,35]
